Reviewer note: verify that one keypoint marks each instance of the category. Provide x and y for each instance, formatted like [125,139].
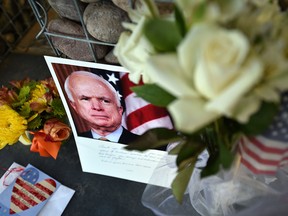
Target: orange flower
[56,130]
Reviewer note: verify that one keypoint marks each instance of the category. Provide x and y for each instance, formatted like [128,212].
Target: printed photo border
[154,167]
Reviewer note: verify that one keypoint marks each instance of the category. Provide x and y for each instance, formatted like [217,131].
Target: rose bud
[57,130]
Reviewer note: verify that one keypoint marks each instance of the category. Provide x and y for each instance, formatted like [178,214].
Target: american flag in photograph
[140,115]
[113,78]
[265,153]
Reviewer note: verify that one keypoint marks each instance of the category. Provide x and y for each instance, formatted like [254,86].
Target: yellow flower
[38,101]
[12,126]
[38,92]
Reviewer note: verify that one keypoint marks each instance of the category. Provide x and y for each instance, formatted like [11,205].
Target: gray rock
[67,8]
[111,58]
[90,1]
[124,4]
[104,20]
[164,6]
[74,49]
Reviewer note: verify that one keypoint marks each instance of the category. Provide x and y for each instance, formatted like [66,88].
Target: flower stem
[152,8]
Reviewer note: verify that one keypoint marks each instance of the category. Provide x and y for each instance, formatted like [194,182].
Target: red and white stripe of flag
[263,156]
[141,116]
[26,195]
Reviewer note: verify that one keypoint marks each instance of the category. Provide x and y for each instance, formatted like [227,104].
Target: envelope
[57,202]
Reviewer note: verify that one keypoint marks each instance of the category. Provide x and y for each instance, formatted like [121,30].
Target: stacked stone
[103,21]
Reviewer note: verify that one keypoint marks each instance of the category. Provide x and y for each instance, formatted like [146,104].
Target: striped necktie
[103,138]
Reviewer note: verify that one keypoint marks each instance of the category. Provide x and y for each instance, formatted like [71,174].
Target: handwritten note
[112,159]
[114,155]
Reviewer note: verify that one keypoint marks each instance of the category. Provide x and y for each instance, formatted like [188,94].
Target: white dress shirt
[113,137]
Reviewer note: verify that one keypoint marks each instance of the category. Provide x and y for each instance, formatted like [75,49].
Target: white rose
[211,11]
[133,50]
[275,79]
[210,76]
[221,68]
[188,110]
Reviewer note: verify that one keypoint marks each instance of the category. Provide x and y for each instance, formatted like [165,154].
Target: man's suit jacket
[125,138]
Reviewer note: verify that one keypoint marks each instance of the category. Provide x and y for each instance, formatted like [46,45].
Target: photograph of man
[96,101]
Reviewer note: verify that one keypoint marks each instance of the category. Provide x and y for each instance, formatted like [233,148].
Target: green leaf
[32,84]
[22,96]
[18,104]
[180,21]
[212,166]
[181,181]
[58,108]
[25,110]
[257,124]
[226,156]
[190,149]
[36,123]
[154,138]
[176,149]
[153,94]
[199,12]
[24,92]
[164,35]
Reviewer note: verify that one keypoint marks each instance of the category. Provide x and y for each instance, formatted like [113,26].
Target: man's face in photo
[95,103]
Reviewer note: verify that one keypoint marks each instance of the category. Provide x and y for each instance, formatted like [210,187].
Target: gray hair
[93,76]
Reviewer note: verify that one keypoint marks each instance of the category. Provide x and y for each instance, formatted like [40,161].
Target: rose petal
[245,108]
[188,50]
[229,98]
[189,115]
[133,50]
[215,71]
[24,138]
[220,53]
[267,93]
[280,81]
[56,130]
[166,72]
